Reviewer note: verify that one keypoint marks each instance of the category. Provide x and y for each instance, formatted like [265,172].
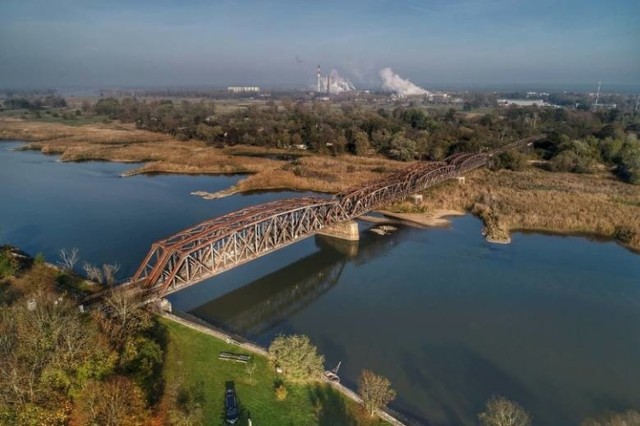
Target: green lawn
[193,357]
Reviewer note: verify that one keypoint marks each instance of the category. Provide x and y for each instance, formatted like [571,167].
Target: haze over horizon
[65,43]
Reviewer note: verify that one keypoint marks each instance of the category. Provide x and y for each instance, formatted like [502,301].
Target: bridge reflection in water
[264,303]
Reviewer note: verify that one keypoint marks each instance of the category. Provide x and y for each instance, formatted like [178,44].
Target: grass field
[192,358]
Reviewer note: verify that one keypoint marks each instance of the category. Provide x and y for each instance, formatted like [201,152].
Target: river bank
[533,199]
[345,405]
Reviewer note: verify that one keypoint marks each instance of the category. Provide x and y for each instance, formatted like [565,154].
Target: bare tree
[105,275]
[125,315]
[500,411]
[375,391]
[627,418]
[109,272]
[68,259]
[93,272]
[250,367]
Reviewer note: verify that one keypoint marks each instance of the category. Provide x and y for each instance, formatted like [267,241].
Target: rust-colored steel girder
[221,243]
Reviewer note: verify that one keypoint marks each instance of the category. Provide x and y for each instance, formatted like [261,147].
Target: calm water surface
[552,322]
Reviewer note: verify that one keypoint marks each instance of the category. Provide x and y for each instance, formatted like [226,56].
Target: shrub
[8,264]
[281,392]
[511,160]
[623,234]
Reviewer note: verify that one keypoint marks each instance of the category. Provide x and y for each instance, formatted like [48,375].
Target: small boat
[332,375]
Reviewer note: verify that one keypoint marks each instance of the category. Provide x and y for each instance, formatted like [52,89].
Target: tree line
[35,102]
[578,141]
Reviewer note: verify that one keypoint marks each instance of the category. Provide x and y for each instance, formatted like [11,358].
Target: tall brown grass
[544,201]
[507,201]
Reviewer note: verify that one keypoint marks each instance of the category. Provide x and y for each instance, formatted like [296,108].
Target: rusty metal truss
[222,243]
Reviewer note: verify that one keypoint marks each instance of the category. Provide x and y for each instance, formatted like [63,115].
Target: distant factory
[243,89]
[522,102]
[332,84]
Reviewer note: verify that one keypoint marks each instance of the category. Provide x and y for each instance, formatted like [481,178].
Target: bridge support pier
[346,230]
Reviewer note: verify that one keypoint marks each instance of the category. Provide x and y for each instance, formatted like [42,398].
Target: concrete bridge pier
[345,230]
[346,247]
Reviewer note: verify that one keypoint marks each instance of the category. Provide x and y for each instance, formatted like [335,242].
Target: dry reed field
[530,200]
[542,201]
[165,154]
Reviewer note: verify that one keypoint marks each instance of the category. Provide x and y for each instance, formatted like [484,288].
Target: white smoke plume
[337,83]
[394,83]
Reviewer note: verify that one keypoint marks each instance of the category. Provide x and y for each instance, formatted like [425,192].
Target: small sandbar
[436,218]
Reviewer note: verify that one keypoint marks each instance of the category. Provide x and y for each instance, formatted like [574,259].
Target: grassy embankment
[532,199]
[192,359]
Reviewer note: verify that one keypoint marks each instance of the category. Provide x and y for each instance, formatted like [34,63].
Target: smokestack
[318,89]
[328,84]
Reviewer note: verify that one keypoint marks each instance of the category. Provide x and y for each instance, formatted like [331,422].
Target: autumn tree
[48,351]
[114,402]
[500,411]
[375,391]
[124,316]
[297,356]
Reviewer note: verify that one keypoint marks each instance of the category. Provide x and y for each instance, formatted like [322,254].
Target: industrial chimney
[318,88]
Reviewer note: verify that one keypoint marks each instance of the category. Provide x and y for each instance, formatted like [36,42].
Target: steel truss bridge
[222,243]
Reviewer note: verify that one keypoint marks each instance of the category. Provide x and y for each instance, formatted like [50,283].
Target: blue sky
[58,43]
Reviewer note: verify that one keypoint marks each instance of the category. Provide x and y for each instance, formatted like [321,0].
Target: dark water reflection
[552,322]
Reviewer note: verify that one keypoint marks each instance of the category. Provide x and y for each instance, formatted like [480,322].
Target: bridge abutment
[345,230]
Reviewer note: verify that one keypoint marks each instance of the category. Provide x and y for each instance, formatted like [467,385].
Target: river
[551,322]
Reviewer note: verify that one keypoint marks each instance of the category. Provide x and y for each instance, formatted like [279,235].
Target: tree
[500,411]
[630,163]
[105,275]
[511,160]
[360,142]
[402,149]
[93,272]
[375,391]
[250,368]
[628,418]
[115,402]
[109,271]
[108,106]
[48,352]
[297,357]
[68,259]
[124,317]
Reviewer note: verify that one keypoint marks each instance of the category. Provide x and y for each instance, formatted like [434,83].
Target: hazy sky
[57,43]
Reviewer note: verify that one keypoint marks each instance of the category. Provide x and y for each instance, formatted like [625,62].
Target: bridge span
[222,243]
